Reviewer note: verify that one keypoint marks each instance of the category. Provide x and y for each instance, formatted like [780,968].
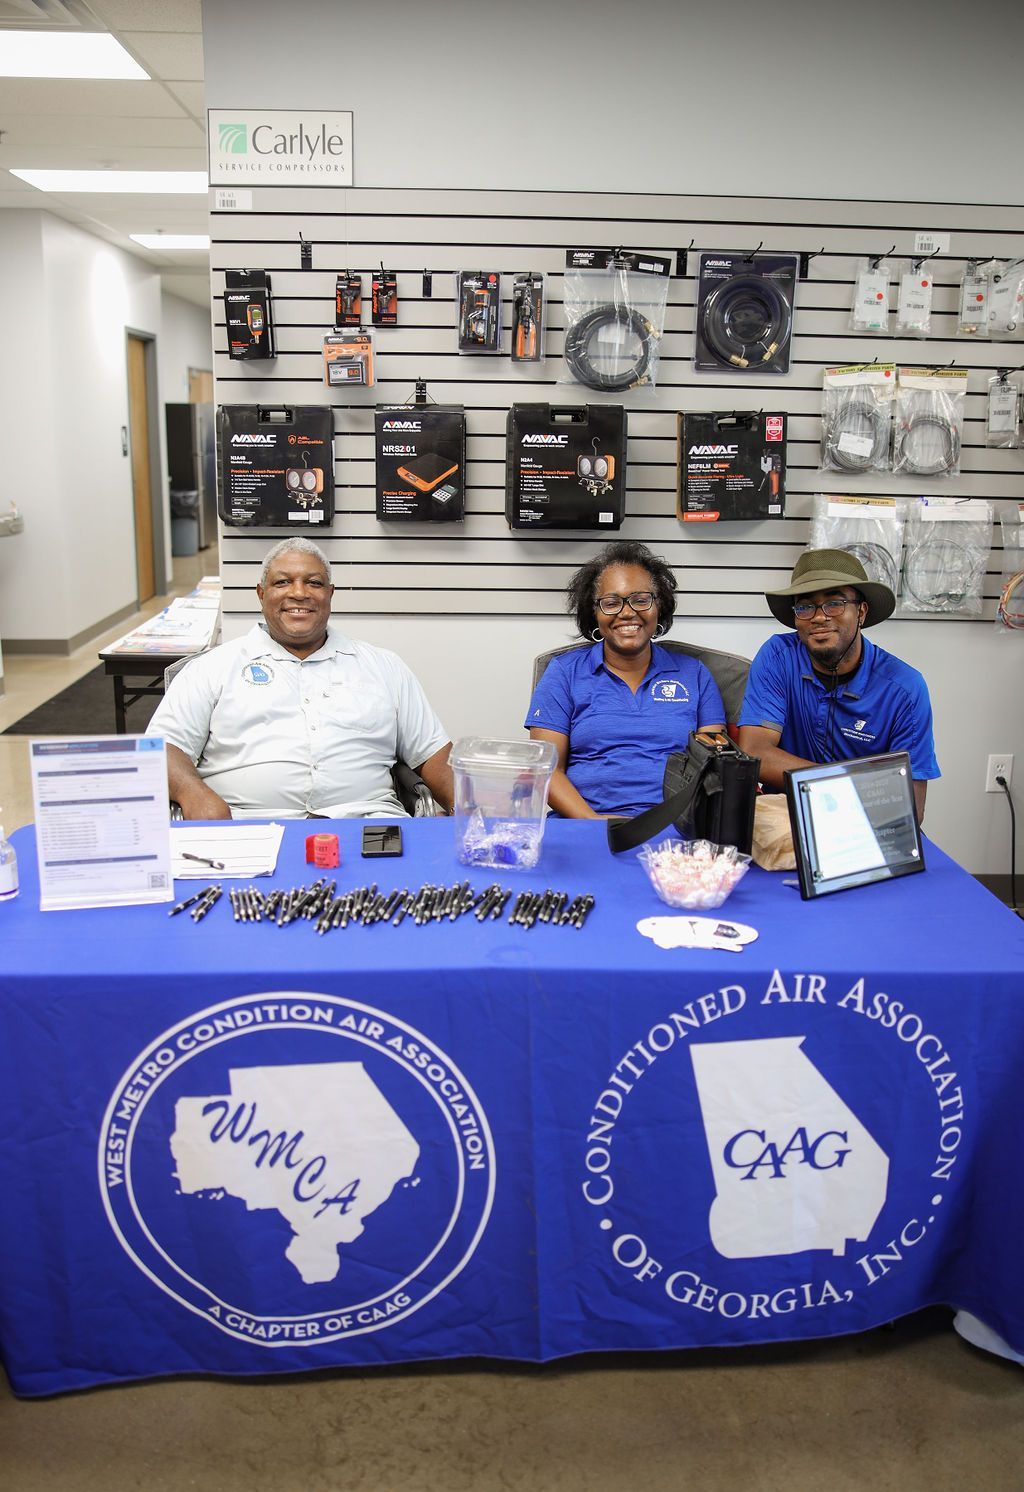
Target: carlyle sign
[280,147]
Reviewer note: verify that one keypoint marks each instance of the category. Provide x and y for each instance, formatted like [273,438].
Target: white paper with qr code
[102,828]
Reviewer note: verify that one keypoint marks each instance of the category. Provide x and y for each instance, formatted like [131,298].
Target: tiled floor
[29,680]
[908,1410]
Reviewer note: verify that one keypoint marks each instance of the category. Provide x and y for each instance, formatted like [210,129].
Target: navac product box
[248,314]
[276,465]
[565,466]
[731,467]
[421,463]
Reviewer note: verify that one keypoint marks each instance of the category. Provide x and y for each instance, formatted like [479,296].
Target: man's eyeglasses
[834,606]
[638,601]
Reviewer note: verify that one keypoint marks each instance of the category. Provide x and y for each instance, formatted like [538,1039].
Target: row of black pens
[366,905]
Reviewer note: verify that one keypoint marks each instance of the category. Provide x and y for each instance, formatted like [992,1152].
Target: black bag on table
[709,788]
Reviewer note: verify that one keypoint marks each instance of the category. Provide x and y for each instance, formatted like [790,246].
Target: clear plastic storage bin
[501,798]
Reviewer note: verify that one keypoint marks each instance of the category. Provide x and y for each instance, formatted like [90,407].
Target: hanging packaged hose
[744,312]
[1010,611]
[870,309]
[1006,301]
[869,528]
[1002,410]
[945,555]
[914,307]
[614,318]
[856,417]
[972,320]
[929,421]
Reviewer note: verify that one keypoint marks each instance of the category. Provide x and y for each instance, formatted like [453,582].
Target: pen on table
[202,860]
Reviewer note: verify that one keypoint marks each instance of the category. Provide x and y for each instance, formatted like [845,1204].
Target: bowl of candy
[693,873]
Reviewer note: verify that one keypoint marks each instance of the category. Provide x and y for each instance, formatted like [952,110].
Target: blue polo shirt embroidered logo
[258,673]
[671,690]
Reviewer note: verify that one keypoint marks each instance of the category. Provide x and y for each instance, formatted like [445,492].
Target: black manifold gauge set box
[565,466]
[276,465]
[421,463]
[731,466]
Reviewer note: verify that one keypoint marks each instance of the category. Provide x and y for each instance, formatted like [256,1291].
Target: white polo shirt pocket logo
[258,673]
[671,690]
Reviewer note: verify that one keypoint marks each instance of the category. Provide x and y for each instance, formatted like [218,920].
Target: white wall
[651,96]
[185,342]
[668,96]
[29,468]
[67,301]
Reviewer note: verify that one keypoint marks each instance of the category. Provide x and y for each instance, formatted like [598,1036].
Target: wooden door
[138,422]
[200,386]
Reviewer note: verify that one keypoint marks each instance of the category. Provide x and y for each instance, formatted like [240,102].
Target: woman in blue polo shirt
[616,710]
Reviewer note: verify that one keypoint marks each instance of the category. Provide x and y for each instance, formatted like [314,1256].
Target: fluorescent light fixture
[147,183]
[65,54]
[171,240]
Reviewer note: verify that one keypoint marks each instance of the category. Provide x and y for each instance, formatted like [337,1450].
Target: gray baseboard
[63,647]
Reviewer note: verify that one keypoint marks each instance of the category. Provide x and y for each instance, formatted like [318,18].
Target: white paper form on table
[226,851]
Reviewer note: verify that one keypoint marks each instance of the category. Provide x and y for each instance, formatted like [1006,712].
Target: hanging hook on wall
[805,260]
[749,258]
[876,259]
[682,257]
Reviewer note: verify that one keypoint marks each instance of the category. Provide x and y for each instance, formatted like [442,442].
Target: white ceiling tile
[166,55]
[149,15]
[192,96]
[100,158]
[78,97]
[23,133]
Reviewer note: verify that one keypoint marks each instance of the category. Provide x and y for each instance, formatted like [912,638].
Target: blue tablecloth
[242,1149]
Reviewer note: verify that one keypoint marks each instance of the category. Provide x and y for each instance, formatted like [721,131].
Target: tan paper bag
[773,838]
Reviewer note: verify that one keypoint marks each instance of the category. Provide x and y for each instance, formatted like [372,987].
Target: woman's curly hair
[580,592]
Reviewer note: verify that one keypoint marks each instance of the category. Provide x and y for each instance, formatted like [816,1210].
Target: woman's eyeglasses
[638,601]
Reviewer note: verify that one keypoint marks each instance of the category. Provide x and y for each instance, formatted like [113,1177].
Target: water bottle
[8,869]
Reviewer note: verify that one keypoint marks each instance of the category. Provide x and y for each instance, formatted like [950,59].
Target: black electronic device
[418,448]
[731,467]
[247,314]
[276,465]
[380,840]
[565,466]
[853,822]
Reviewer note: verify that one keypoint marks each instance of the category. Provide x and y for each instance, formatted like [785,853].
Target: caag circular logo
[258,673]
[296,1167]
[804,1136]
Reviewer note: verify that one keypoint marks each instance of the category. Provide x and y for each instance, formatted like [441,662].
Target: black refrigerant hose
[579,337]
[745,320]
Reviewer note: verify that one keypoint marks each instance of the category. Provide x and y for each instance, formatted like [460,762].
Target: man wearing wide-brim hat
[823,692]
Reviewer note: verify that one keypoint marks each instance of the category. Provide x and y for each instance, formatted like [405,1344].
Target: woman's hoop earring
[660,630]
[595,633]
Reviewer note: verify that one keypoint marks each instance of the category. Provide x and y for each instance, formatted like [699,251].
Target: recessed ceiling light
[171,240]
[66,54]
[145,182]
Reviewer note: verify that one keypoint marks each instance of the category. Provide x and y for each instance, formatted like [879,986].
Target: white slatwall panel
[480,568]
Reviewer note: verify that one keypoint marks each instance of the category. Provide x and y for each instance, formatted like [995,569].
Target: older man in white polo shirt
[295,718]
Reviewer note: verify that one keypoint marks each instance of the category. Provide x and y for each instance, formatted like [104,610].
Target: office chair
[729,671]
[410,789]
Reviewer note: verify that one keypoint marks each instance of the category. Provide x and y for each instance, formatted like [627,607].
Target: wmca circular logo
[296,1167]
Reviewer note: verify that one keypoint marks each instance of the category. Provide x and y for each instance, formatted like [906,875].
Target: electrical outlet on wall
[1000,764]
